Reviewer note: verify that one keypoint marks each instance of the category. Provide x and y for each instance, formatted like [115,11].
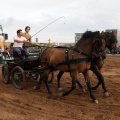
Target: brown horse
[97,65]
[98,62]
[76,60]
[111,41]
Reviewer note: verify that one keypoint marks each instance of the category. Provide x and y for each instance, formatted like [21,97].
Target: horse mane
[88,34]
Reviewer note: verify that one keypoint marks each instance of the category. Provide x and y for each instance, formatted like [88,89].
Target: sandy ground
[29,104]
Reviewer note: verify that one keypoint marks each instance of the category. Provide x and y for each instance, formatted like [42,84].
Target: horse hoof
[95,101]
[106,94]
[60,89]
[36,88]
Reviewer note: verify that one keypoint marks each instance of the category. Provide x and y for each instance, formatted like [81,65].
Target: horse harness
[68,61]
[74,61]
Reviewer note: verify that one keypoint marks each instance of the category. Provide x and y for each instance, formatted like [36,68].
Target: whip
[49,25]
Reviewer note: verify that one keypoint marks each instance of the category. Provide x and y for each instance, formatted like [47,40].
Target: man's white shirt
[16,44]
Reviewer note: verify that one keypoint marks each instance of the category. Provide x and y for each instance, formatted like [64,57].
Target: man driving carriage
[19,40]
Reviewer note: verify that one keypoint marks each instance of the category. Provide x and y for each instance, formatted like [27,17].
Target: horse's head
[91,43]
[99,44]
[111,41]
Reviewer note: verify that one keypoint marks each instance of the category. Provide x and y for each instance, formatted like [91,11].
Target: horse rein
[101,55]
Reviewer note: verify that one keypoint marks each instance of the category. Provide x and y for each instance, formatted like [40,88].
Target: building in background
[116,32]
[78,36]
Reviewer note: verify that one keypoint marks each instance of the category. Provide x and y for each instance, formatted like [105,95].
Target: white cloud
[80,15]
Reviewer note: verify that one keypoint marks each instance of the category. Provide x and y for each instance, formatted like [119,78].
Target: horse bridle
[99,51]
[99,41]
[107,38]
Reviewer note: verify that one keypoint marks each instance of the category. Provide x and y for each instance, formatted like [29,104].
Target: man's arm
[18,41]
[25,40]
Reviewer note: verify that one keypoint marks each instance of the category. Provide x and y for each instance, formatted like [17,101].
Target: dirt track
[36,105]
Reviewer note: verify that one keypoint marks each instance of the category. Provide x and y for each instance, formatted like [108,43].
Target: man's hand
[25,41]
[29,40]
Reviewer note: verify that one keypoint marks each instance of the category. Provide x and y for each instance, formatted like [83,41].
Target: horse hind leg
[43,78]
[38,85]
[58,78]
[47,86]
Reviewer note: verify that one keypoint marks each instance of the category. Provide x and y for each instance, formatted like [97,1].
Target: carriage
[20,71]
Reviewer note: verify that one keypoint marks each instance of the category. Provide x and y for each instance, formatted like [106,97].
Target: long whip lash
[49,25]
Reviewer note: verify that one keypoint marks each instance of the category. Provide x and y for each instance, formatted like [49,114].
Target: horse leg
[74,77]
[87,80]
[38,85]
[94,70]
[46,83]
[58,78]
[81,87]
[101,80]
[45,79]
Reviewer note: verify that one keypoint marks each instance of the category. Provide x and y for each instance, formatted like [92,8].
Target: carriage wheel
[5,74]
[50,77]
[18,77]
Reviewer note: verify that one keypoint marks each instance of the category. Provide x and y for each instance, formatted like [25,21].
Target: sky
[79,16]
